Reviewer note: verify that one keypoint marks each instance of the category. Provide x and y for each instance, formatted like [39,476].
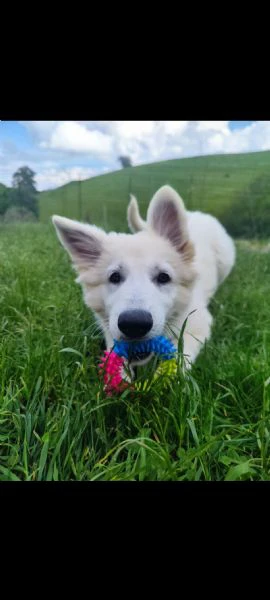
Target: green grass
[213,184]
[57,424]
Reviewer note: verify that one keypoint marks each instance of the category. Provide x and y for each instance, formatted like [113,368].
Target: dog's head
[138,285]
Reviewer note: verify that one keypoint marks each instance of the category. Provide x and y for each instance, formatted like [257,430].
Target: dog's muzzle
[135,324]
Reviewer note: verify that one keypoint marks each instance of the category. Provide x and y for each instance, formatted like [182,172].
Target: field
[235,188]
[56,422]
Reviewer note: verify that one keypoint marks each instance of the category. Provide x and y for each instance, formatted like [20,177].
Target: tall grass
[56,422]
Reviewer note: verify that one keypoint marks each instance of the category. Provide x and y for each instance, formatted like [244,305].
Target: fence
[238,197]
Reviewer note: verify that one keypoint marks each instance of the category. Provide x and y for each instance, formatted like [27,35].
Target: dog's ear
[83,242]
[166,215]
[135,222]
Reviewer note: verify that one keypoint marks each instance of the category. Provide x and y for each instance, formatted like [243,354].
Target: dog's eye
[115,277]
[163,278]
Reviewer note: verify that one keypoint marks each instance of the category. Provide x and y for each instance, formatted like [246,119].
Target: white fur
[165,242]
[214,259]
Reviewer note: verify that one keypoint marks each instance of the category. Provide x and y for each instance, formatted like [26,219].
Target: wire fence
[237,196]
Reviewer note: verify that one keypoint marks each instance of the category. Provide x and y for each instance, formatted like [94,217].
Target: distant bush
[18,214]
[125,161]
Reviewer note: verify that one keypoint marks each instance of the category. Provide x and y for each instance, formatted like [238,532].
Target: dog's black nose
[135,323]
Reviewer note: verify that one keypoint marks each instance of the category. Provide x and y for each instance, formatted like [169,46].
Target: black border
[146,89]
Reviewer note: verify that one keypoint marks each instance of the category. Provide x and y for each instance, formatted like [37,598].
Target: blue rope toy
[159,345]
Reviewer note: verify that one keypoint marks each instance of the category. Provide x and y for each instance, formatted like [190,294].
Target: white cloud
[47,174]
[74,137]
[252,138]
[132,130]
[40,129]
[53,177]
[147,141]
[57,143]
[174,127]
[222,126]
[176,149]
[216,143]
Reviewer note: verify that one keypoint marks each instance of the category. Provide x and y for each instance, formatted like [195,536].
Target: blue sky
[239,124]
[61,151]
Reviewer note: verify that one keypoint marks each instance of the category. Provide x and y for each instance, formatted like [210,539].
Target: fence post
[129,187]
[63,200]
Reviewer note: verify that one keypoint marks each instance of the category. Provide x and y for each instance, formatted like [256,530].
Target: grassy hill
[235,188]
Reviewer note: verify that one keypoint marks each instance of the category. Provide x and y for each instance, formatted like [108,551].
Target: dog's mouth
[134,354]
[139,356]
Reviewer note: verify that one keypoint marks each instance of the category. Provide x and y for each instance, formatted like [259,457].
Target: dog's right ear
[135,222]
[83,242]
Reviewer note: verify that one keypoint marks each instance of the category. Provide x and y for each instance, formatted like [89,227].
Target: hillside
[3,200]
[2,188]
[235,188]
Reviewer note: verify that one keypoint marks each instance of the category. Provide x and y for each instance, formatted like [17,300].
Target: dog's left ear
[166,215]
[84,243]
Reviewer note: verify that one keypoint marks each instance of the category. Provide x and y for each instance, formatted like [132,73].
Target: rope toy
[113,362]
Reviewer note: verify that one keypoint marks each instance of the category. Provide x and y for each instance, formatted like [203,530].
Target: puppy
[147,284]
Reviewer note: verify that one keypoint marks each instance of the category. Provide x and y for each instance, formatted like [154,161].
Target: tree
[125,161]
[24,192]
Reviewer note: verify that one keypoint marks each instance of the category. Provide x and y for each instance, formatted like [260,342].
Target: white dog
[148,283]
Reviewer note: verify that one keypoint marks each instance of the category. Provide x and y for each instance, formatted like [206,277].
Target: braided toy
[113,362]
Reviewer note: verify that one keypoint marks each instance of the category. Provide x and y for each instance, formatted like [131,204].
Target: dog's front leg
[197,331]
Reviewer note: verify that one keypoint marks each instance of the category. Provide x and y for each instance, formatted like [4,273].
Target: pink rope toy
[112,367]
